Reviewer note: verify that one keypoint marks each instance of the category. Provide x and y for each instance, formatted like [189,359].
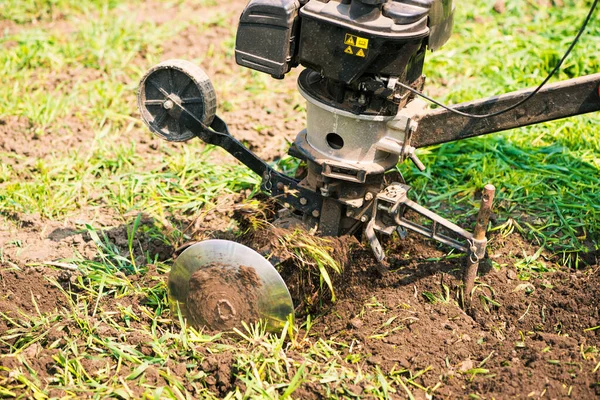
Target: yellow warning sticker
[356,46]
[362,43]
[357,41]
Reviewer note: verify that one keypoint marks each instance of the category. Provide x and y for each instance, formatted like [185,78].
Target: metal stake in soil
[479,241]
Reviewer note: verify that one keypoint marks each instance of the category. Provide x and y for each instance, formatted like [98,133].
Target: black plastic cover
[344,42]
[403,13]
[266,37]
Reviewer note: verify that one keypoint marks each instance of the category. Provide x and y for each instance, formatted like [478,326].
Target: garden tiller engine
[362,81]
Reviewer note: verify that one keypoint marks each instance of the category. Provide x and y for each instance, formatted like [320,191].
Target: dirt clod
[221,297]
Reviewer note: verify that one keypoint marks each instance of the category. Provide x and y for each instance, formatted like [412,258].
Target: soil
[518,338]
[521,338]
[31,291]
[31,240]
[530,343]
[221,297]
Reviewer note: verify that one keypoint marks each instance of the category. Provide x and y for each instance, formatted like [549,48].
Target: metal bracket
[344,172]
[284,189]
[390,213]
[477,249]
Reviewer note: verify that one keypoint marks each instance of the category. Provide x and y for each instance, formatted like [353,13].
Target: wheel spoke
[161,90]
[193,100]
[171,81]
[154,102]
[184,88]
[161,118]
[178,127]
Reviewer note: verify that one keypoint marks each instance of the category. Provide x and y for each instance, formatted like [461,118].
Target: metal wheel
[169,92]
[219,284]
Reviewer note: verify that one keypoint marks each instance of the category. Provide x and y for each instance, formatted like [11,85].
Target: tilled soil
[532,339]
[529,342]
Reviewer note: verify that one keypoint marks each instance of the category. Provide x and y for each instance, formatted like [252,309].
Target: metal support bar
[433,231]
[558,100]
[389,214]
[479,242]
[282,188]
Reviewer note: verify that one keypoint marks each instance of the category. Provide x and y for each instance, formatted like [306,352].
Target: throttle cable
[550,75]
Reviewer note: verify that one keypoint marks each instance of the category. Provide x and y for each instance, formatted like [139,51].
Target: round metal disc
[219,284]
[171,87]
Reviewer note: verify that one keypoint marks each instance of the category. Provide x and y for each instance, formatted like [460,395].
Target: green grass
[86,76]
[28,11]
[546,175]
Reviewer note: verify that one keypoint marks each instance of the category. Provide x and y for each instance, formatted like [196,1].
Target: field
[92,207]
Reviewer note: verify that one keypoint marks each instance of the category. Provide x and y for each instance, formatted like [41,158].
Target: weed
[315,255]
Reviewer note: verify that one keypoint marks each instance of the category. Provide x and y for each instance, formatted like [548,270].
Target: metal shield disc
[220,283]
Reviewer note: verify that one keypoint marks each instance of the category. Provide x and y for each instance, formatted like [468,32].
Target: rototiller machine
[363,85]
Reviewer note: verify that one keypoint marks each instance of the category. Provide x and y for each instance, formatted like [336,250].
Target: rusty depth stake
[479,241]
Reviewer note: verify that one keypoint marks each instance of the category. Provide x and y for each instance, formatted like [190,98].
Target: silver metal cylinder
[342,136]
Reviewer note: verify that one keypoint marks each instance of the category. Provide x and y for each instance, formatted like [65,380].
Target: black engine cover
[359,48]
[266,37]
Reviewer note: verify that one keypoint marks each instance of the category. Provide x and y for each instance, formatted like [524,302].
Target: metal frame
[284,189]
[558,100]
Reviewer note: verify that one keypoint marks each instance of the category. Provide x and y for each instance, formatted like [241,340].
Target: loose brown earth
[221,297]
[532,339]
[530,343]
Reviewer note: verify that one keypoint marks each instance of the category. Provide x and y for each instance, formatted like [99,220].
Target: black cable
[556,68]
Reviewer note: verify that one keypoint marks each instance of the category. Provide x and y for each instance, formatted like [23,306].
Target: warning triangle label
[360,53]
[349,40]
[349,50]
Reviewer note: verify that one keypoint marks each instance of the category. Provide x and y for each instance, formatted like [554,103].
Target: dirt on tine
[221,297]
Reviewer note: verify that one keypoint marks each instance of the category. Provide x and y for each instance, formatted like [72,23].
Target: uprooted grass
[315,253]
[310,265]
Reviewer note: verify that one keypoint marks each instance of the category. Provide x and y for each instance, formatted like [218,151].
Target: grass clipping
[314,264]
[315,253]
